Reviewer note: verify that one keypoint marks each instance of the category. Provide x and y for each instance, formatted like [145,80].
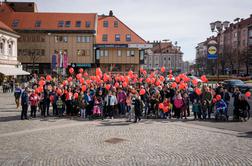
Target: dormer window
[38,23]
[15,23]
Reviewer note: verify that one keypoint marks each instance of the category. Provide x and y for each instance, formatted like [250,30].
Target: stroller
[97,110]
[221,111]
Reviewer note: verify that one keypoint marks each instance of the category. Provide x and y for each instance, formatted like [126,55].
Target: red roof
[111,31]
[5,27]
[49,21]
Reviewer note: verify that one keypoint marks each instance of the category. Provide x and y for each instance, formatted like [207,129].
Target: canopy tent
[12,71]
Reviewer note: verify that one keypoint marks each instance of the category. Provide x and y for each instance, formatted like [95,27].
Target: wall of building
[8,56]
[45,44]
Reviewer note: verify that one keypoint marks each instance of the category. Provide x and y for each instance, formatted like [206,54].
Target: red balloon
[59,91]
[81,70]
[125,84]
[148,80]
[161,106]
[165,109]
[142,91]
[82,80]
[218,97]
[78,76]
[108,86]
[71,70]
[204,79]
[214,100]
[84,88]
[170,71]
[170,76]
[144,72]
[69,79]
[98,72]
[162,78]
[130,73]
[88,81]
[116,84]
[48,78]
[85,74]
[198,91]
[157,83]
[163,69]
[105,77]
[177,79]
[65,82]
[41,82]
[76,95]
[51,98]
[247,94]
[174,85]
[194,82]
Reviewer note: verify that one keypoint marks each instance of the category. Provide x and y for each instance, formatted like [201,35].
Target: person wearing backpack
[178,105]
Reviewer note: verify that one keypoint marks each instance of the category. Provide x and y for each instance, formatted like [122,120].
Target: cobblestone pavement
[116,142]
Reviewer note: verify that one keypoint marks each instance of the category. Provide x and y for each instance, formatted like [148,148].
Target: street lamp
[218,27]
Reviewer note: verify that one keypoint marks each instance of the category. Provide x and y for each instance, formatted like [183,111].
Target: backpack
[178,103]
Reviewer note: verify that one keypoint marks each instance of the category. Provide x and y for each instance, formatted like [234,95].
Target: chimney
[250,15]
[111,13]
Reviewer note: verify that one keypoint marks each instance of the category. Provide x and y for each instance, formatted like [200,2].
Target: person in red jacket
[34,100]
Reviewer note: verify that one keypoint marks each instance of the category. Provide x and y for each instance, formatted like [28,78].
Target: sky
[184,21]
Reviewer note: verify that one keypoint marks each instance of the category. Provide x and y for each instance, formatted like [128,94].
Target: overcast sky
[185,21]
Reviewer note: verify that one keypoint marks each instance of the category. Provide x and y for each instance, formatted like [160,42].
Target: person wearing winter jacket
[34,100]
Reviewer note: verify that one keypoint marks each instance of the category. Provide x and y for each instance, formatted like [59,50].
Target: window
[128,37]
[1,48]
[10,48]
[102,53]
[61,39]
[65,39]
[78,39]
[78,24]
[15,23]
[250,33]
[37,23]
[116,24]
[88,24]
[117,37]
[83,39]
[128,53]
[105,52]
[105,24]
[61,24]
[68,24]
[132,53]
[104,37]
[119,53]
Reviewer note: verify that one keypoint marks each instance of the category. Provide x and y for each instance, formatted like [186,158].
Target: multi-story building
[68,36]
[9,65]
[53,41]
[234,49]
[164,54]
[118,48]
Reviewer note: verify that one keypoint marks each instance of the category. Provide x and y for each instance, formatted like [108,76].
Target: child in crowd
[204,108]
[196,109]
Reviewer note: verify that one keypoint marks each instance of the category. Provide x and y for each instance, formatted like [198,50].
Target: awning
[12,71]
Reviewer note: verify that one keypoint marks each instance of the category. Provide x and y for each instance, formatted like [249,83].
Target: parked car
[195,78]
[231,84]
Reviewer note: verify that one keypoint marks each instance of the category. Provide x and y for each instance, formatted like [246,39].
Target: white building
[164,54]
[9,66]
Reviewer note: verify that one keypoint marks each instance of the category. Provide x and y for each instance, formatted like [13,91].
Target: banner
[65,61]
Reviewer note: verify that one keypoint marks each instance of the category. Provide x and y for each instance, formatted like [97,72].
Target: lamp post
[218,27]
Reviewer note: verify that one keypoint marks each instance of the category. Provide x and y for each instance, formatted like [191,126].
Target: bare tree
[34,57]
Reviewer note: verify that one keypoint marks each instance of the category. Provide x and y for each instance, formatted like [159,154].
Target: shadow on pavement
[246,135]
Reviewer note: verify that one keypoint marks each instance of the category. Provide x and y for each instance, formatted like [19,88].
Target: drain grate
[114,140]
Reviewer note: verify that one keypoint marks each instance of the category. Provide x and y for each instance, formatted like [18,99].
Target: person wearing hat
[24,103]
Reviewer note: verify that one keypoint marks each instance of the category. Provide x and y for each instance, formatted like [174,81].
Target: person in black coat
[138,106]
[24,103]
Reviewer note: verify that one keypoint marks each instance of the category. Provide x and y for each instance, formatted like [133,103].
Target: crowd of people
[104,95]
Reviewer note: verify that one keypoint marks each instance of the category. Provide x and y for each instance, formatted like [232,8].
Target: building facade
[164,54]
[118,48]
[56,41]
[234,50]
[9,65]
